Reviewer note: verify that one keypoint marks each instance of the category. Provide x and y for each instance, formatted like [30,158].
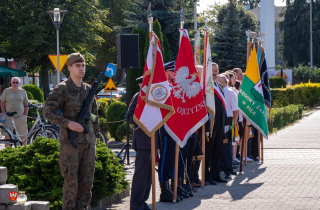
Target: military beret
[74,58]
[170,66]
[139,79]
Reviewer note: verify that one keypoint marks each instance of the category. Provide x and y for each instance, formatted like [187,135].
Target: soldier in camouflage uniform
[77,164]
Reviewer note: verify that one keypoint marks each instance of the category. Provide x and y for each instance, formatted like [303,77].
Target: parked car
[115,94]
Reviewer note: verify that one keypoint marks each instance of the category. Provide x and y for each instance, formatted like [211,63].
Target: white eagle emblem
[185,87]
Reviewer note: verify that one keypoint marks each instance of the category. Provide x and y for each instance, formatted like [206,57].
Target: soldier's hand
[74,126]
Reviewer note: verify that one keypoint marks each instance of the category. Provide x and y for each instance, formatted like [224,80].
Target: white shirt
[231,101]
[237,93]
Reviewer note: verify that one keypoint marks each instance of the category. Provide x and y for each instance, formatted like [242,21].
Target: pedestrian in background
[13,99]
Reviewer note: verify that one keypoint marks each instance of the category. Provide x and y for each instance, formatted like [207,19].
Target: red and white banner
[190,108]
[208,82]
[154,106]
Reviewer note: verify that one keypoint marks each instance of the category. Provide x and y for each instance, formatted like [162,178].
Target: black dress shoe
[234,173]
[228,177]
[211,182]
[166,194]
[220,180]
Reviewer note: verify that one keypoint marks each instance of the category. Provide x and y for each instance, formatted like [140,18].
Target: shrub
[103,104]
[307,94]
[36,171]
[277,82]
[122,131]
[35,91]
[280,117]
[103,125]
[29,95]
[32,113]
[115,112]
[304,74]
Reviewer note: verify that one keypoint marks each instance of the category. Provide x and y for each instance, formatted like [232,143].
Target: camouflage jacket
[69,99]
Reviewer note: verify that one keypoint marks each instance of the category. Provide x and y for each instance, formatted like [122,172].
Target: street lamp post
[57,20]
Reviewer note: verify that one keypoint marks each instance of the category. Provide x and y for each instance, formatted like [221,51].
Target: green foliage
[305,74]
[122,131]
[135,73]
[168,14]
[109,177]
[32,113]
[29,95]
[35,91]
[36,171]
[253,3]
[307,94]
[31,36]
[103,126]
[277,82]
[115,112]
[280,117]
[232,22]
[296,33]
[103,104]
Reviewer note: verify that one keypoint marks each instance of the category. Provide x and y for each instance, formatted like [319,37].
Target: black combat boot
[180,191]
[180,183]
[166,194]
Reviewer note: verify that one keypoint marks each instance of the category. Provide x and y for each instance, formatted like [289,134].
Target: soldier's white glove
[207,133]
[226,128]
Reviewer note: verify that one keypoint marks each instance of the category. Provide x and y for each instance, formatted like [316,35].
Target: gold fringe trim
[160,124]
[210,111]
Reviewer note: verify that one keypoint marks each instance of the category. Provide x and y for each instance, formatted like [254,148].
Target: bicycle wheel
[102,137]
[51,133]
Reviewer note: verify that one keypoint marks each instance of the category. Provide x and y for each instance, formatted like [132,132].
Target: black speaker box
[128,51]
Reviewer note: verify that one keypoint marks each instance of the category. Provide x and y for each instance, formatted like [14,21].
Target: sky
[204,3]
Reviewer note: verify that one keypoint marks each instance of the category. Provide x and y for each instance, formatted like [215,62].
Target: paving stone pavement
[289,178]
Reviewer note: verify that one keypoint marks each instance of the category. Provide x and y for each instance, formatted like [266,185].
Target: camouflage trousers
[77,168]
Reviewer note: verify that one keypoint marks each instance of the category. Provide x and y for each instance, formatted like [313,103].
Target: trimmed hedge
[116,112]
[277,82]
[29,95]
[305,74]
[280,117]
[35,169]
[35,91]
[307,94]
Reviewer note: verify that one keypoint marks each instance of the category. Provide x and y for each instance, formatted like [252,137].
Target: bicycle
[38,129]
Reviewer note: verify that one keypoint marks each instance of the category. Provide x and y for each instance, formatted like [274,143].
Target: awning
[9,72]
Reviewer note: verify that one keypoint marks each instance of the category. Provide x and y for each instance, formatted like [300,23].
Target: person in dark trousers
[141,143]
[167,152]
[213,151]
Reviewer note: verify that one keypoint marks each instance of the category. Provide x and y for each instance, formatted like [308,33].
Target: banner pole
[246,144]
[175,184]
[261,139]
[203,159]
[243,144]
[153,161]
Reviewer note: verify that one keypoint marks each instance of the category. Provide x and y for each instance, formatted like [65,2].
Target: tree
[28,34]
[295,29]
[253,3]
[230,40]
[168,14]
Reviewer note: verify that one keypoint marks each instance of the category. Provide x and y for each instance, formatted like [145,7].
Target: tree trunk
[45,79]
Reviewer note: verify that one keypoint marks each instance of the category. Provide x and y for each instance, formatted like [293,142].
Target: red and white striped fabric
[154,106]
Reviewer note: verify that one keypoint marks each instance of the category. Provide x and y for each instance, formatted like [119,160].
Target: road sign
[62,61]
[110,87]
[110,70]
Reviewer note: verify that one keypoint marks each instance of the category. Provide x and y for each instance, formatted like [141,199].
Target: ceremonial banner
[197,48]
[250,98]
[265,80]
[190,108]
[208,83]
[154,105]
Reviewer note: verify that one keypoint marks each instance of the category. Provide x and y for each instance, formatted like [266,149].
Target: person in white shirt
[232,109]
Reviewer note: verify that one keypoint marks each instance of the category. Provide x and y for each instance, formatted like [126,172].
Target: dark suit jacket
[221,113]
[139,140]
